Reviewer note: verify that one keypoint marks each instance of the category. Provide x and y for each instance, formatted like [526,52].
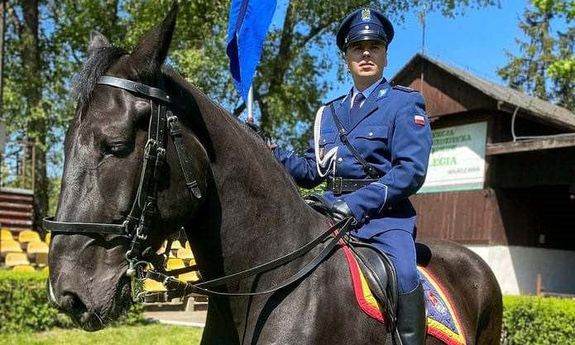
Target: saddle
[376,267]
[375,272]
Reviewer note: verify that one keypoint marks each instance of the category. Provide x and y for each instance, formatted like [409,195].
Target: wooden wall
[542,216]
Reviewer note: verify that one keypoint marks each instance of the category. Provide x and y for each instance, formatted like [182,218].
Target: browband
[137,88]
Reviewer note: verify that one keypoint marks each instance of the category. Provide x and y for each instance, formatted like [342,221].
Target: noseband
[138,224]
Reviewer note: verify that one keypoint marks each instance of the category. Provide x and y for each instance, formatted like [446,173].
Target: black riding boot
[411,323]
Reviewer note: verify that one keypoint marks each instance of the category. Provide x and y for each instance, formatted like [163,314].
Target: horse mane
[95,66]
[178,84]
[195,102]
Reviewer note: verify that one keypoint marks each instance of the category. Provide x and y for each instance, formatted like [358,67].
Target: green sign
[457,160]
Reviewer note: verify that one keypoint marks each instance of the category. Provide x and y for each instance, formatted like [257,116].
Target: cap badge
[366,15]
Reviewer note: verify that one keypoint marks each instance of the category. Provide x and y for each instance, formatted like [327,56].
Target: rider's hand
[340,211]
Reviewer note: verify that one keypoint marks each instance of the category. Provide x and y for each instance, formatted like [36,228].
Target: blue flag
[248,25]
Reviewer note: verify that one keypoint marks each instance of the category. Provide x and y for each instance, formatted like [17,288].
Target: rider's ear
[149,55]
[97,41]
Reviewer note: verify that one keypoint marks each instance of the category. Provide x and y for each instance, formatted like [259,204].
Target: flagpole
[250,118]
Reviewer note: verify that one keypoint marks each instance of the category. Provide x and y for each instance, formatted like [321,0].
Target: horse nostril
[71,303]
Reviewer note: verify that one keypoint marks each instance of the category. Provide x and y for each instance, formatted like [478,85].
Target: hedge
[526,319]
[538,320]
[24,304]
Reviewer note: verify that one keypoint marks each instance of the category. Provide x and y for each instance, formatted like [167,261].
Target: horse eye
[119,149]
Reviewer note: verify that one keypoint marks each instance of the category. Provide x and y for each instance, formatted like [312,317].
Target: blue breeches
[399,245]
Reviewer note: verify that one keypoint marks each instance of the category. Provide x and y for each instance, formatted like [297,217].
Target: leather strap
[135,87]
[370,170]
[183,158]
[179,288]
[48,223]
[340,185]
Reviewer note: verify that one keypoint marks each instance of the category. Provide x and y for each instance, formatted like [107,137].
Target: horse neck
[261,214]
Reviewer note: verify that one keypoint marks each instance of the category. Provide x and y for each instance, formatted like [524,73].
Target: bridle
[140,221]
[144,213]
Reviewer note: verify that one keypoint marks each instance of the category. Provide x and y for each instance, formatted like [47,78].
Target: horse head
[105,150]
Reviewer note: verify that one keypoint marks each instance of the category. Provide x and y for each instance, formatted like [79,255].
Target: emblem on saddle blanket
[442,318]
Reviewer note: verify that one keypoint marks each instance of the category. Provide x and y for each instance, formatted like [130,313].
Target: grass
[156,334]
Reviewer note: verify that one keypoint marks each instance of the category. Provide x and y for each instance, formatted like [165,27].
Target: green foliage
[25,307]
[545,67]
[300,54]
[292,79]
[150,334]
[25,304]
[538,320]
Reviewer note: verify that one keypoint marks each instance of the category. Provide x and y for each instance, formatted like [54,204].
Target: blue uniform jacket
[392,133]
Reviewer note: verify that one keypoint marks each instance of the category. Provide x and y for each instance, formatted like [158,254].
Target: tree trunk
[2,125]
[37,127]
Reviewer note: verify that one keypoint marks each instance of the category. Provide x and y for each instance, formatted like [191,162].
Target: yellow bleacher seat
[188,277]
[9,246]
[176,245]
[46,269]
[15,259]
[28,236]
[185,254]
[175,263]
[36,247]
[152,285]
[6,235]
[41,259]
[23,268]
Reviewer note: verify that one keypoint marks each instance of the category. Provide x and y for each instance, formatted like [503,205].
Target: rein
[144,213]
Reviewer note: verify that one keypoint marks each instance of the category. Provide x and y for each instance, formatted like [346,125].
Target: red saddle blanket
[443,321]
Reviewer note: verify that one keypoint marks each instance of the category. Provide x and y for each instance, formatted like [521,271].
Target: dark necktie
[356,103]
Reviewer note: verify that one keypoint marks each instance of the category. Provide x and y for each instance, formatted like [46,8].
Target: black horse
[237,204]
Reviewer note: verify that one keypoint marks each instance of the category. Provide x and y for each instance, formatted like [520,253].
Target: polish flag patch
[419,120]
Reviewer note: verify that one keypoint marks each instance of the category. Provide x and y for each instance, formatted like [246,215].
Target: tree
[26,29]
[545,67]
[41,58]
[290,82]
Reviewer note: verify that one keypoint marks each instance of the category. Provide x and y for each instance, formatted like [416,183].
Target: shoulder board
[403,88]
[335,100]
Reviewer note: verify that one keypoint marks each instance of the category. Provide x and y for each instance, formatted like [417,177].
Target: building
[501,178]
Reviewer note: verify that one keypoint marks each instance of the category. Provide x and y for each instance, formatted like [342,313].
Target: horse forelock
[95,66]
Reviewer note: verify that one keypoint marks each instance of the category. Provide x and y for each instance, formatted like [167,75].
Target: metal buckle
[337,185]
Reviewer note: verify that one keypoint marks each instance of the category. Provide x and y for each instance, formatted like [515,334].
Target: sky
[475,41]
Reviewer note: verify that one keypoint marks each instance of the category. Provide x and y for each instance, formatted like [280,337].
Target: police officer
[384,162]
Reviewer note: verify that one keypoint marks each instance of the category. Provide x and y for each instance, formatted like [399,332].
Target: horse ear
[150,53]
[97,41]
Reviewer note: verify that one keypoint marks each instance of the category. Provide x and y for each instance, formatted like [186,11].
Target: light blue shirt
[366,93]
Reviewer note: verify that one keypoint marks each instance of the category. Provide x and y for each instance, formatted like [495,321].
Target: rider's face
[366,61]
